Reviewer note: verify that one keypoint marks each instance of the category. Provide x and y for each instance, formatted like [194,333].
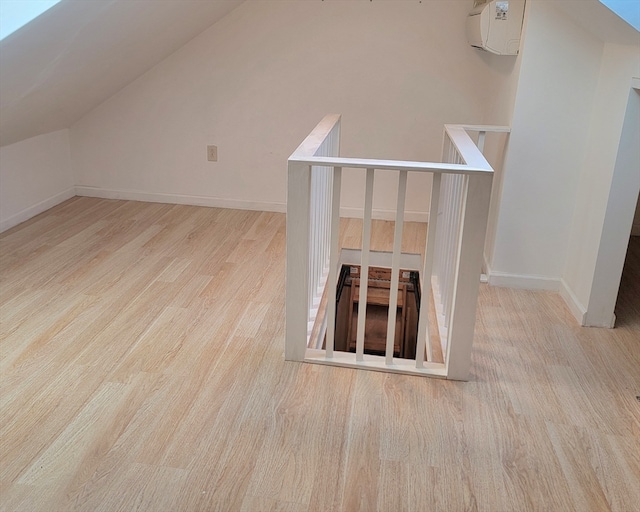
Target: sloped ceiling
[74,56]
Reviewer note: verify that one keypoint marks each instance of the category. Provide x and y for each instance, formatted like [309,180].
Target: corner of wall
[36,209]
[36,175]
[575,306]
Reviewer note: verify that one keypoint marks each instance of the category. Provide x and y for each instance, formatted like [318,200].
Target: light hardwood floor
[142,369]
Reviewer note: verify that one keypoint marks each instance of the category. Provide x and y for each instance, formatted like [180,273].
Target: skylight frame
[15,14]
[627,10]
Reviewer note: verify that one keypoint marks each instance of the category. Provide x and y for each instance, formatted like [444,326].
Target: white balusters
[395,267]
[424,332]
[320,224]
[450,272]
[333,261]
[448,238]
[364,264]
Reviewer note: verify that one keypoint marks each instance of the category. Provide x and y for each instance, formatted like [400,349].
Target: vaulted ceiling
[74,56]
[79,53]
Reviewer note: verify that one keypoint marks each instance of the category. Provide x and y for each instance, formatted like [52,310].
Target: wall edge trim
[578,311]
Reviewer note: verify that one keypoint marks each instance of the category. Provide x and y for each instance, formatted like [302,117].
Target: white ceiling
[74,56]
[79,53]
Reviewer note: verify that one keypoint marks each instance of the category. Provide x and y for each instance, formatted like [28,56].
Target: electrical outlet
[212,153]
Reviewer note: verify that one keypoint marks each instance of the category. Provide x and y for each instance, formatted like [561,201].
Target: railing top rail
[467,149]
[392,165]
[472,156]
[485,128]
[310,145]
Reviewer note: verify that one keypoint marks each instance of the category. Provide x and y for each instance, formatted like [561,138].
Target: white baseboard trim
[36,209]
[598,321]
[520,281]
[378,214]
[539,283]
[575,306]
[214,202]
[524,282]
[156,197]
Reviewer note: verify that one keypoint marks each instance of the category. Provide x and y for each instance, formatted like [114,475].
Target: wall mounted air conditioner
[495,26]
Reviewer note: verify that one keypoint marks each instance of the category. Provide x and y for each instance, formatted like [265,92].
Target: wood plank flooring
[141,368]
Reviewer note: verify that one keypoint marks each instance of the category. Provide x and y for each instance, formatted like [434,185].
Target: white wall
[619,64]
[259,80]
[35,174]
[620,208]
[502,99]
[559,69]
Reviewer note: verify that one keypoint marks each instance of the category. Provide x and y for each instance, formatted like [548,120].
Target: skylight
[628,10]
[17,13]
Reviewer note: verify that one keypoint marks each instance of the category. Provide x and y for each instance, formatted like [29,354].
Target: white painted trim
[485,128]
[156,197]
[620,212]
[519,281]
[36,209]
[378,214]
[486,268]
[524,282]
[599,322]
[376,363]
[575,306]
[402,165]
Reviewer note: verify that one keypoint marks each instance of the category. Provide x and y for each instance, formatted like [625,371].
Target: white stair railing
[453,255]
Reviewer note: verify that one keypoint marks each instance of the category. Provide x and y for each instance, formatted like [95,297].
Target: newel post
[467,283]
[297,273]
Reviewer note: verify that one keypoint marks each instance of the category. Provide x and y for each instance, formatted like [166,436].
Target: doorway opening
[616,231]
[627,309]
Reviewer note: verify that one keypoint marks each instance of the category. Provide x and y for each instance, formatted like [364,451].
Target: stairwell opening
[377,311]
